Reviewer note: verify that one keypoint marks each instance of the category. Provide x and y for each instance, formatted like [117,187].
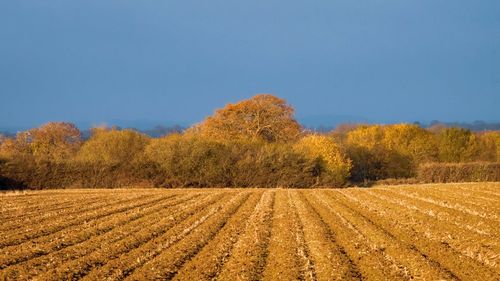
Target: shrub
[457,145]
[390,151]
[272,165]
[113,147]
[196,161]
[54,141]
[16,174]
[459,172]
[489,146]
[335,166]
[378,163]
[10,148]
[190,161]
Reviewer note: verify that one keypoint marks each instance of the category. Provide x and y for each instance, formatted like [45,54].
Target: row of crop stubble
[423,231]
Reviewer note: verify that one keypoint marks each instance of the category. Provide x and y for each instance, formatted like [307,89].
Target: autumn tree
[54,141]
[190,160]
[335,165]
[10,148]
[457,145]
[112,146]
[490,146]
[265,117]
[364,147]
[411,140]
[390,151]
[340,132]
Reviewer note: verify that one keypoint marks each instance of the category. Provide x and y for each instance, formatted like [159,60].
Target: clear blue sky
[176,61]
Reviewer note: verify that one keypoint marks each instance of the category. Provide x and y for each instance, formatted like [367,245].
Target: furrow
[12,210]
[457,196]
[42,215]
[440,255]
[110,249]
[352,256]
[493,218]
[402,259]
[283,262]
[460,221]
[122,265]
[167,263]
[307,270]
[43,230]
[250,252]
[44,248]
[207,264]
[483,249]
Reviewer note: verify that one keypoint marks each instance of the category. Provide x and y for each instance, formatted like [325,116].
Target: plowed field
[431,232]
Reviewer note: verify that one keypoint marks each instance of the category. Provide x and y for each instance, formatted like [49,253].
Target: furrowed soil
[425,232]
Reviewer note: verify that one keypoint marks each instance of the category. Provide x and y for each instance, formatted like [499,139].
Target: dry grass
[430,232]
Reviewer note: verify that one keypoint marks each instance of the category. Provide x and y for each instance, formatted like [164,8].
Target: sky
[164,62]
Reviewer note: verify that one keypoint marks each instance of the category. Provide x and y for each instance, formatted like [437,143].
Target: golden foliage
[255,142]
[9,148]
[458,145]
[389,151]
[264,117]
[334,163]
[412,141]
[113,146]
[489,146]
[406,139]
[54,141]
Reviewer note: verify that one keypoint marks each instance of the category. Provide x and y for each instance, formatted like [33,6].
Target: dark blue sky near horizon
[166,62]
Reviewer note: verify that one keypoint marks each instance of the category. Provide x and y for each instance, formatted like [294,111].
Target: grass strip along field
[430,232]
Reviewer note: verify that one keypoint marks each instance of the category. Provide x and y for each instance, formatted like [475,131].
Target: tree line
[252,143]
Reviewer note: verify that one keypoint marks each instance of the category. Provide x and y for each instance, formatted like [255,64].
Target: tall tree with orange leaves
[263,117]
[54,141]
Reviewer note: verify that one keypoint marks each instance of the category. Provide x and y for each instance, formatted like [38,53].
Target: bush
[113,147]
[201,162]
[174,161]
[49,175]
[459,172]
[335,166]
[258,164]
[190,161]
[54,141]
[458,145]
[390,151]
[379,163]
